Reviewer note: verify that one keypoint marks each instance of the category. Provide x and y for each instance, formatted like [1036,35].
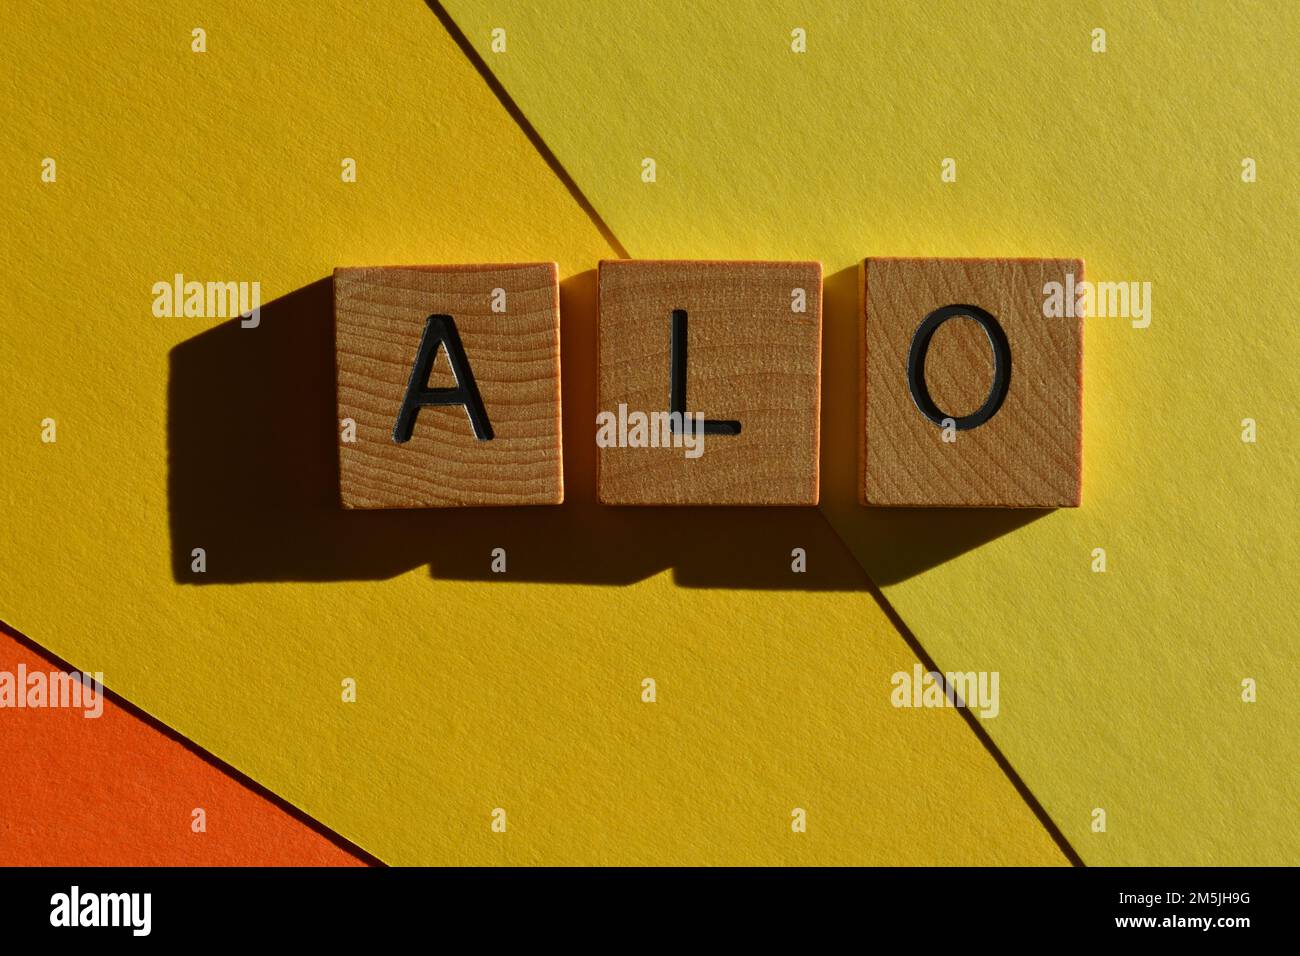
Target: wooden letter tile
[451,375]
[969,342]
[736,344]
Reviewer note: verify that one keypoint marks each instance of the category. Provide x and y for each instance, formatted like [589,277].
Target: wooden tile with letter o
[448,385]
[709,378]
[972,383]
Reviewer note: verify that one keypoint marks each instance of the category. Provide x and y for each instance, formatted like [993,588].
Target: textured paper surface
[1122,690]
[113,790]
[473,692]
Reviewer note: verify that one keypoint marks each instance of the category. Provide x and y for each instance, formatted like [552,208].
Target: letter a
[440,330]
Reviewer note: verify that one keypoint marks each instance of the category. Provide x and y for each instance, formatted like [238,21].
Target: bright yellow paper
[522,693]
[1122,690]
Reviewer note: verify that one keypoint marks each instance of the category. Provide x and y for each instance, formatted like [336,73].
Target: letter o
[1001,366]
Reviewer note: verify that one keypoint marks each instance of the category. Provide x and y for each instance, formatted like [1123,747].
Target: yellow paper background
[471,693]
[1122,690]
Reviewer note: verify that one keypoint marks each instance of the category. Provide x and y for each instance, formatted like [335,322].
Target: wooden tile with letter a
[448,385]
[972,383]
[709,379]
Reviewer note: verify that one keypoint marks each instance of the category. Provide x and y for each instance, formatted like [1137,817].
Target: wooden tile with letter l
[972,383]
[449,378]
[708,383]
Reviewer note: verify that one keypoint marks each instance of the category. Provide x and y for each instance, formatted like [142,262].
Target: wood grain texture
[751,358]
[1030,453]
[380,315]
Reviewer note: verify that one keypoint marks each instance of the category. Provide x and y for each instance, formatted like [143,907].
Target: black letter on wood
[677,382]
[440,330]
[1001,366]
